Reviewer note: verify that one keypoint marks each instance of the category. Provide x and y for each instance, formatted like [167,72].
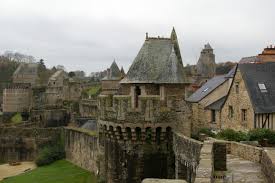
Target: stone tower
[136,124]
[110,83]
[206,66]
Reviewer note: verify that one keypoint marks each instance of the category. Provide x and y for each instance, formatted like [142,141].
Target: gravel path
[7,171]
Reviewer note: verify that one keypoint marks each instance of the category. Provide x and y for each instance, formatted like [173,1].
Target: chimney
[147,35]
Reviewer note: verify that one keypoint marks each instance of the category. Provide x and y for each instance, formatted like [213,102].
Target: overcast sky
[88,34]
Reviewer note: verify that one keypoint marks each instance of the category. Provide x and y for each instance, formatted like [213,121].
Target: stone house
[61,88]
[26,73]
[55,88]
[136,123]
[17,98]
[250,102]
[207,101]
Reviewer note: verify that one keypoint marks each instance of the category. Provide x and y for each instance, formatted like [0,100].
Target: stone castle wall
[81,148]
[187,154]
[23,144]
[50,117]
[17,99]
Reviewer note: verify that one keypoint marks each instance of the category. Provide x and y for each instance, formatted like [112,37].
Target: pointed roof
[122,72]
[26,68]
[208,47]
[158,61]
[114,72]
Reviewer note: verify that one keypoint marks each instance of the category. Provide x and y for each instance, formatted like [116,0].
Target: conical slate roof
[114,74]
[156,62]
[208,47]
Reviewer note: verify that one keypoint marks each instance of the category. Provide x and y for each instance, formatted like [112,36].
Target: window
[205,89]
[137,94]
[237,89]
[262,87]
[244,114]
[213,116]
[230,112]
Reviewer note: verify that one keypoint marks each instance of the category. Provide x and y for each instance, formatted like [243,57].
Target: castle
[138,115]
[145,119]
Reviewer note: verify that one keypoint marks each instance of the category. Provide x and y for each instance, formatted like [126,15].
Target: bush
[260,133]
[207,131]
[50,154]
[231,135]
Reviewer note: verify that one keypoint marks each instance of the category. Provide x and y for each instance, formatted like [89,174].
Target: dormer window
[205,89]
[262,87]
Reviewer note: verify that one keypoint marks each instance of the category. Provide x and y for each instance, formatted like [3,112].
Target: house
[60,87]
[207,101]
[250,102]
[26,73]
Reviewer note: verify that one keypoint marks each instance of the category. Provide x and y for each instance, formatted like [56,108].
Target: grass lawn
[60,171]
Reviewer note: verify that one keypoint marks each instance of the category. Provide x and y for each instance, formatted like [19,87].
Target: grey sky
[88,34]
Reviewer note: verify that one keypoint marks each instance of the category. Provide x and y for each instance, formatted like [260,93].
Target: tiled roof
[263,73]
[207,88]
[156,62]
[217,105]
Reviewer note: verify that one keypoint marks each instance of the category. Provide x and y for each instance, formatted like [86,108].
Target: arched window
[158,134]
[138,133]
[129,133]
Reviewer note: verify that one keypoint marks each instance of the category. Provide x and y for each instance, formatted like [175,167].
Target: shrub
[260,134]
[50,154]
[207,131]
[231,135]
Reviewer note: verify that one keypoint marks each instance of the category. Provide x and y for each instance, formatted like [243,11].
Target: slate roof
[115,73]
[156,62]
[26,68]
[217,105]
[208,47]
[252,59]
[207,88]
[253,74]
[56,75]
[231,73]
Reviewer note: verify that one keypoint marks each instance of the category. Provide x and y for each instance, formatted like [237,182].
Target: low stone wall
[187,153]
[268,167]
[162,181]
[23,144]
[246,152]
[81,148]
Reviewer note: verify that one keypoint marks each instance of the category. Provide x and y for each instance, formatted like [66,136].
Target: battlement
[149,109]
[134,134]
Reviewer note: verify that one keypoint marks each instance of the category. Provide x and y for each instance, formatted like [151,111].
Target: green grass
[17,118]
[60,171]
